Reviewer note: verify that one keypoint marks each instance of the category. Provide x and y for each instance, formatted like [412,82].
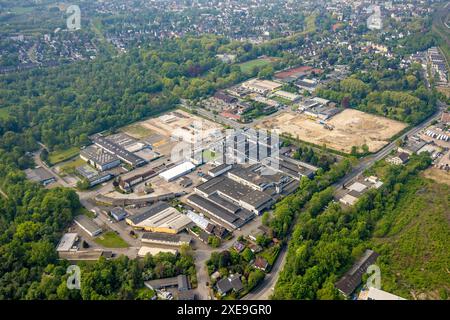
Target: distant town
[242,149]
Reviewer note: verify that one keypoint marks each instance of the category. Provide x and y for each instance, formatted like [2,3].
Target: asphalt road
[265,289]
[101,219]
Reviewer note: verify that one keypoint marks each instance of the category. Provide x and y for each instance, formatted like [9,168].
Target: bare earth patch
[437,175]
[351,128]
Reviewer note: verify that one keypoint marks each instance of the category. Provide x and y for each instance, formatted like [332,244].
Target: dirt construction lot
[162,132]
[351,128]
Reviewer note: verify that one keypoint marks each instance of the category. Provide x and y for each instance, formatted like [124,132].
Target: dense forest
[327,239]
[61,106]
[286,210]
[385,90]
[31,221]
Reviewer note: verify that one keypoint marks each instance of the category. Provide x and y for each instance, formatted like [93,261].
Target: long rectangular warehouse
[229,219]
[177,171]
[160,217]
[166,239]
[119,151]
[88,225]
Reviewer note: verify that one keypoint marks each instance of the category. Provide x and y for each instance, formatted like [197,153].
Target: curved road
[265,289]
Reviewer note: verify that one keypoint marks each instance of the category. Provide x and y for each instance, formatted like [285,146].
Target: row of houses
[438,64]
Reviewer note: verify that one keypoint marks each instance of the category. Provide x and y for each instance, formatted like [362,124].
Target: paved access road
[265,289]
[85,197]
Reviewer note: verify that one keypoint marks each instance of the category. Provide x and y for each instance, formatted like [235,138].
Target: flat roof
[234,190]
[87,171]
[219,168]
[38,174]
[234,220]
[158,236]
[227,205]
[144,213]
[87,224]
[98,155]
[377,294]
[178,170]
[287,94]
[179,281]
[67,241]
[213,208]
[119,151]
[358,187]
[262,84]
[169,218]
[118,211]
[349,199]
[144,250]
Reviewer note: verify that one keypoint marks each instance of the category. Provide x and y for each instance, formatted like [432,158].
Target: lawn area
[4,113]
[71,165]
[110,239]
[86,212]
[209,155]
[137,131]
[271,254]
[247,67]
[58,156]
[283,100]
[310,23]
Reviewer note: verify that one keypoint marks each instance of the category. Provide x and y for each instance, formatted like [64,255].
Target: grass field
[4,113]
[58,156]
[137,131]
[310,23]
[412,240]
[110,239]
[247,67]
[71,165]
[86,212]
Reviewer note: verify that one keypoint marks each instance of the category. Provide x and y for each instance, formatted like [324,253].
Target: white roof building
[143,251]
[67,241]
[200,221]
[321,100]
[287,95]
[159,218]
[348,199]
[358,187]
[377,294]
[177,171]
